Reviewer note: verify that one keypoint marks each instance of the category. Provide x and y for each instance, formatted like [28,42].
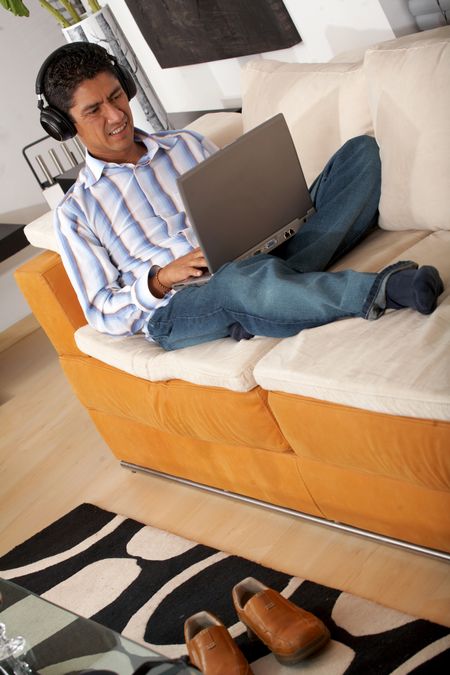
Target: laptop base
[266,246]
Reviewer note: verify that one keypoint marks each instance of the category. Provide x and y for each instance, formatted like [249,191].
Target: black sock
[418,289]
[239,333]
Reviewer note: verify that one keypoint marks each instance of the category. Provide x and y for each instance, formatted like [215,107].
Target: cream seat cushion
[399,364]
[222,363]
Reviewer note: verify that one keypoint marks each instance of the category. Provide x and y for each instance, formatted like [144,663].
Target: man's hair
[70,68]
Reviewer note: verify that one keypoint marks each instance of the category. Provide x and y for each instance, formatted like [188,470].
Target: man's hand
[192,264]
[188,265]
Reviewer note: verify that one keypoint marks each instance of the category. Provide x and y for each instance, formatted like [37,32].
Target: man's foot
[237,332]
[418,289]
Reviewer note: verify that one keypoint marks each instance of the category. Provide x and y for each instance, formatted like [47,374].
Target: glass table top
[59,642]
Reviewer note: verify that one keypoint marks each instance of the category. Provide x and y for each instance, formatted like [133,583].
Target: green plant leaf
[16,7]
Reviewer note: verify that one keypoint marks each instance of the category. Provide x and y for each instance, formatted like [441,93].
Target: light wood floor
[52,459]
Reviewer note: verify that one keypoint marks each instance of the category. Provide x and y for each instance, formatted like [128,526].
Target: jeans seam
[275,321]
[183,318]
[165,322]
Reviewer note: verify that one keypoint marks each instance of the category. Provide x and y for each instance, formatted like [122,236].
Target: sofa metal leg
[442,555]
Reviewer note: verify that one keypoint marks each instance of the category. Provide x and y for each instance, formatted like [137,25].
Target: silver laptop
[247,198]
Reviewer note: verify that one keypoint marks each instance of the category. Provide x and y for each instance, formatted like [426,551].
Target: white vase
[102,28]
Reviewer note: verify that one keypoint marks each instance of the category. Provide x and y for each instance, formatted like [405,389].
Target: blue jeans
[279,294]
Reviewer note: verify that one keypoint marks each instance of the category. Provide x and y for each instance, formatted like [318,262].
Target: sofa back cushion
[324,104]
[409,93]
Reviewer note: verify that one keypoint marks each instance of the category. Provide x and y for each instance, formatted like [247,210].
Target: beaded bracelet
[160,287]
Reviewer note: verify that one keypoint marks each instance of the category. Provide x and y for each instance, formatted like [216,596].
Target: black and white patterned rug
[144,582]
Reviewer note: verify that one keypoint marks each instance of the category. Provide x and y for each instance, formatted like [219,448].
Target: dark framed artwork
[183,32]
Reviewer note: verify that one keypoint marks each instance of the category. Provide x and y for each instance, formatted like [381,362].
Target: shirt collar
[162,139]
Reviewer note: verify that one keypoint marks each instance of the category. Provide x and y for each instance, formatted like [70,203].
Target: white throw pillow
[324,104]
[409,93]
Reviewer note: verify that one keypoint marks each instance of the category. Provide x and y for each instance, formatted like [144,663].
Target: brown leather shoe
[290,632]
[211,648]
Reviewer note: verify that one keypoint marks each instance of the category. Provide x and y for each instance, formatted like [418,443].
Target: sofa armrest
[48,291]
[41,233]
[221,128]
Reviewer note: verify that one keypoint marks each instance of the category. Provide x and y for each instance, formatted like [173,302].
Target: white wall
[24,44]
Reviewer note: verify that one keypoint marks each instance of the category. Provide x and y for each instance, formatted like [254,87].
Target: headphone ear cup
[57,125]
[127,81]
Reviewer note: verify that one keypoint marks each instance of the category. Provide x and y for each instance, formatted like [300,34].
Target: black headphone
[58,124]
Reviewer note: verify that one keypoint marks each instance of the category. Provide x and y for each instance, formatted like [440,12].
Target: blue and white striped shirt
[120,219]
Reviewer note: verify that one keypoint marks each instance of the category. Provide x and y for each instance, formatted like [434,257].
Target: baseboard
[18,331]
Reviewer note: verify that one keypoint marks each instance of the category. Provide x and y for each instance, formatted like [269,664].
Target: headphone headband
[56,123]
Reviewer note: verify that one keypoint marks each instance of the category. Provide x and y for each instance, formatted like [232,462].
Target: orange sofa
[347,423]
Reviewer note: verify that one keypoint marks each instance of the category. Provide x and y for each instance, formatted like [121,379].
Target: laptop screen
[246,192]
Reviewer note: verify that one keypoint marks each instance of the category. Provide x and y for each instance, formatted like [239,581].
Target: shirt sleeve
[109,304]
[207,146]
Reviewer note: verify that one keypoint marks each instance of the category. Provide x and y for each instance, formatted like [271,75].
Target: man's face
[103,118]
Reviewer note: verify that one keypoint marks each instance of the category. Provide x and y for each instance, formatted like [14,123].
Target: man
[125,240]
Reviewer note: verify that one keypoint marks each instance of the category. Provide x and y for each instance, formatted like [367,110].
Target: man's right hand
[192,264]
